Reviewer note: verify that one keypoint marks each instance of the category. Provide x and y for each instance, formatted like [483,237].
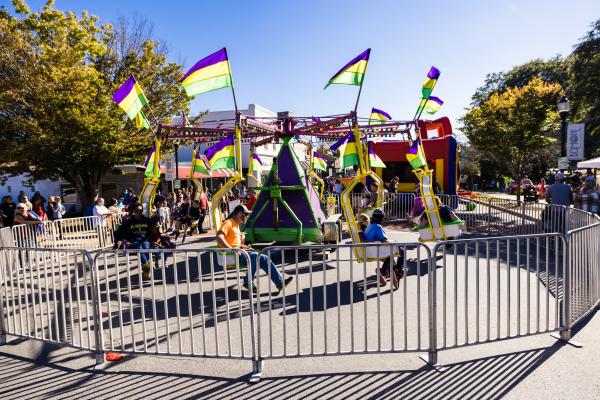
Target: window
[68,194]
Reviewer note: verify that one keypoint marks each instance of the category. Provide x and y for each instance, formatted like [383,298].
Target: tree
[584,88]
[554,70]
[58,72]
[516,125]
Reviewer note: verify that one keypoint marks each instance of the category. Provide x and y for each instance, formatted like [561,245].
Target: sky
[282,53]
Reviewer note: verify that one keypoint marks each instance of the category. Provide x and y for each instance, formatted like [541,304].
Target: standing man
[101,212]
[159,197]
[559,193]
[229,236]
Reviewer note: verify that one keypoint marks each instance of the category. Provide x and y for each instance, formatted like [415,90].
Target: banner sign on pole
[575,141]
[563,163]
[169,160]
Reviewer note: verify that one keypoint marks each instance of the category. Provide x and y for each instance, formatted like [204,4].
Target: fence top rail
[45,249]
[497,238]
[100,252]
[344,246]
[583,228]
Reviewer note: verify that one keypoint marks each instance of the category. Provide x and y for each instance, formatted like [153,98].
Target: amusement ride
[288,205]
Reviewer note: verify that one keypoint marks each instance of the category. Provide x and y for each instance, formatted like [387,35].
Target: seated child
[446,214]
[375,233]
[418,208]
[158,240]
[363,222]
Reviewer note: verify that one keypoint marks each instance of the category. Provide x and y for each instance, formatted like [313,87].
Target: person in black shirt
[7,208]
[359,188]
[134,229]
[184,218]
[134,233]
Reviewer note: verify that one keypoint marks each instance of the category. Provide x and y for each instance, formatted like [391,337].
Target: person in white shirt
[102,212]
[163,213]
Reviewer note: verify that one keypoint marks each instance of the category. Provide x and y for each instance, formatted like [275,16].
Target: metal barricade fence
[190,306]
[463,292]
[34,235]
[498,216]
[498,288]
[88,233]
[395,205]
[584,265]
[337,305]
[49,295]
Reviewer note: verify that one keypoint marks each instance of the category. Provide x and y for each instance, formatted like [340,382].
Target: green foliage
[584,89]
[515,126]
[58,73]
[555,70]
[578,74]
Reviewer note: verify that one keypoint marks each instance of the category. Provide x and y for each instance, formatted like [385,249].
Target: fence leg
[565,329]
[431,357]
[3,338]
[257,362]
[257,368]
[3,281]
[97,312]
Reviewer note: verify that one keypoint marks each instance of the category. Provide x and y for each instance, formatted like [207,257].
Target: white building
[14,185]
[225,119]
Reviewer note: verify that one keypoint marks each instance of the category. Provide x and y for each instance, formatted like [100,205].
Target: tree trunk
[87,189]
[519,188]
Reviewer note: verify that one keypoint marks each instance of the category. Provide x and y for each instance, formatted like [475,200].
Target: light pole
[564,107]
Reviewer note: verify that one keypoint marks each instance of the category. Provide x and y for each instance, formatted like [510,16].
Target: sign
[575,138]
[563,163]
[169,160]
[331,203]
[177,184]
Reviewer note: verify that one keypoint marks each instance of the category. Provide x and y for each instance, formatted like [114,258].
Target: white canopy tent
[593,163]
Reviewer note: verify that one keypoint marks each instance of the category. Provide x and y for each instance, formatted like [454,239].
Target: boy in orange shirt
[229,236]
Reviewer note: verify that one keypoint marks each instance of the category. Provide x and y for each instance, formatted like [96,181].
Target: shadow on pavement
[483,378]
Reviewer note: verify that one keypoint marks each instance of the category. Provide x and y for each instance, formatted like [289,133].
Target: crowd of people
[34,210]
[581,192]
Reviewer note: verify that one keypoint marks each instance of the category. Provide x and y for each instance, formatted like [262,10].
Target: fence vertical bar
[3,281]
[432,354]
[98,336]
[565,329]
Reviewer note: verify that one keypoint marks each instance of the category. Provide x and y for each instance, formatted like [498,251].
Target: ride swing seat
[451,230]
[227,259]
[366,252]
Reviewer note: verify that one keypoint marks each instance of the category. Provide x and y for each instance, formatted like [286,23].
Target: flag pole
[361,84]
[361,161]
[420,109]
[231,77]
[238,130]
